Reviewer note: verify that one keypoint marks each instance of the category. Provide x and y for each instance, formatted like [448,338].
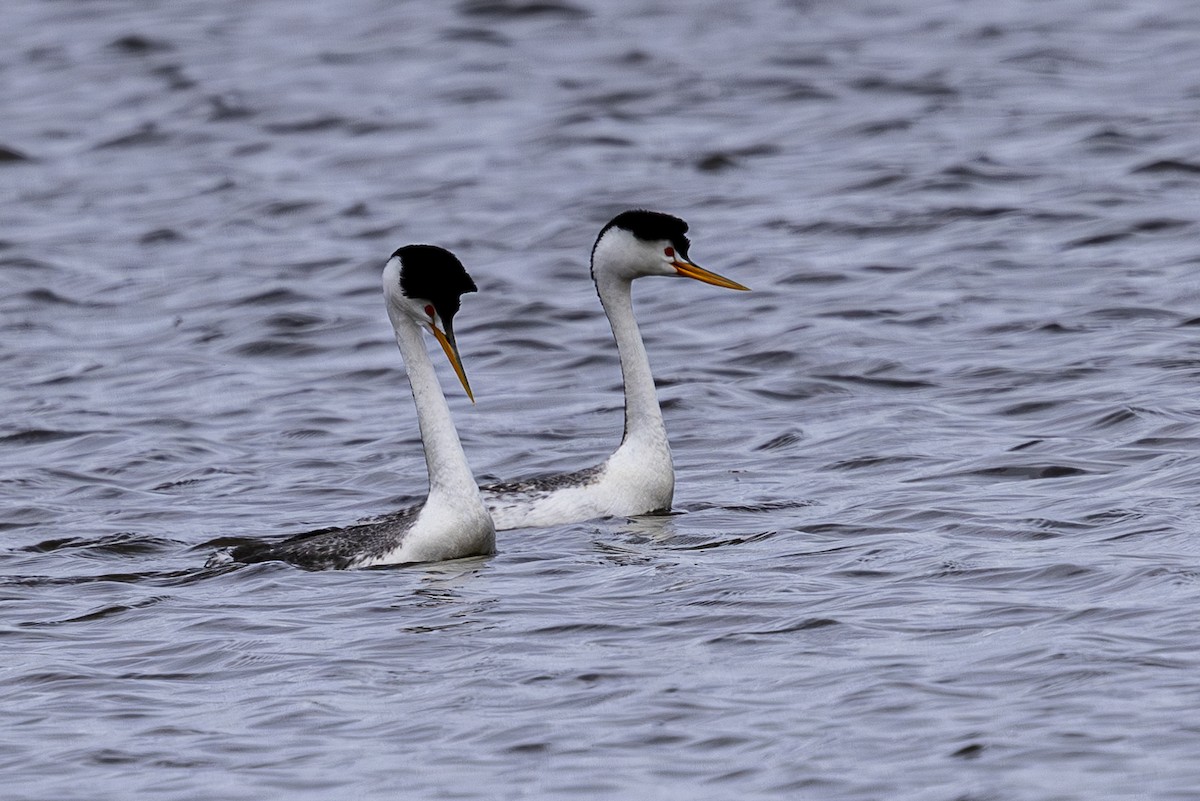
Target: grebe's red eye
[670,252]
[429,311]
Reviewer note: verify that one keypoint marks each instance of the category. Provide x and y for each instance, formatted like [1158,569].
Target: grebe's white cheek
[416,310]
[668,266]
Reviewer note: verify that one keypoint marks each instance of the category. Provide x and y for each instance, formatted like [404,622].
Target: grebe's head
[638,242]
[425,283]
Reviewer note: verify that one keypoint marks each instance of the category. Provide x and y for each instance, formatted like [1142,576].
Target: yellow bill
[448,344]
[689,270]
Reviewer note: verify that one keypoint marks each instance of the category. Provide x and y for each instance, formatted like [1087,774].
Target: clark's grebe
[422,285]
[638,478]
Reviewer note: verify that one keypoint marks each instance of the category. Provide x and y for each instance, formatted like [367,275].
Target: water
[936,474]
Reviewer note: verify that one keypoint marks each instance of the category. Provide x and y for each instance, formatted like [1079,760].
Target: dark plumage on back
[330,548]
[650,226]
[436,275]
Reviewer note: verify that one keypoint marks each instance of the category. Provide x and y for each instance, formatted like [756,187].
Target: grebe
[422,285]
[638,478]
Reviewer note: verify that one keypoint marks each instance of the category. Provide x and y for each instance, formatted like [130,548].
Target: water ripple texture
[935,529]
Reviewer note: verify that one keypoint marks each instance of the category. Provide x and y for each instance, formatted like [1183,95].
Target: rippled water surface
[937,475]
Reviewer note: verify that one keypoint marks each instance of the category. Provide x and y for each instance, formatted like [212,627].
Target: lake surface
[937,529]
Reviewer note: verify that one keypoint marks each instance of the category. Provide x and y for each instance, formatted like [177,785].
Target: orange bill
[448,344]
[689,270]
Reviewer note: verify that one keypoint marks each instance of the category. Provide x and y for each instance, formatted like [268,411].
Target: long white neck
[643,416]
[449,474]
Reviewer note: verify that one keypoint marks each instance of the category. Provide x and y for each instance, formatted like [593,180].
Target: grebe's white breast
[636,479]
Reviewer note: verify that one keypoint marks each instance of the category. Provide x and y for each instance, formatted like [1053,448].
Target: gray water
[937,510]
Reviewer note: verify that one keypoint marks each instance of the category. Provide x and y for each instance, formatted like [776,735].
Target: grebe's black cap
[436,275]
